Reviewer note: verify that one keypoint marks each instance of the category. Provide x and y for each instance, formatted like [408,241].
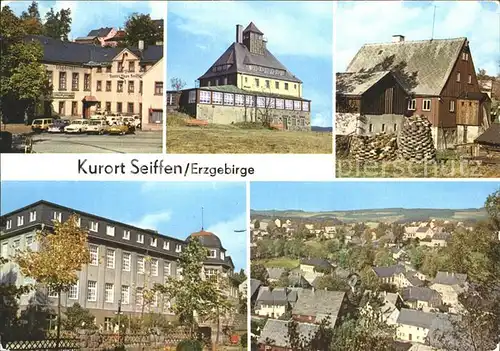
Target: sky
[172,208]
[88,15]
[363,22]
[299,34]
[358,195]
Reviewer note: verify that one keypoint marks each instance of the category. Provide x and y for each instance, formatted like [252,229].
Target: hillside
[400,215]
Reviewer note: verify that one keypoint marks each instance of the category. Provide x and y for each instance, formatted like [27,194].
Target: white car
[113,119]
[97,126]
[77,126]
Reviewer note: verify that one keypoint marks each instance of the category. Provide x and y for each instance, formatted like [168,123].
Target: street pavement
[140,142]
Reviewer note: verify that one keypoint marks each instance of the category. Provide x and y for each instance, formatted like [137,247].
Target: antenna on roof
[433,22]
[202,218]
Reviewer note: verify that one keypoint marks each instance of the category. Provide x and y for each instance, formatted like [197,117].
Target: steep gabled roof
[447,278]
[252,28]
[416,318]
[425,65]
[389,271]
[276,332]
[356,84]
[101,32]
[491,136]
[321,304]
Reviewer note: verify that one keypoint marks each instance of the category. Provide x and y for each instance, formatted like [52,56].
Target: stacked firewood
[379,147]
[415,140]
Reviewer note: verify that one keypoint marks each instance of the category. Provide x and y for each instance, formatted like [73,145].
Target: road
[140,142]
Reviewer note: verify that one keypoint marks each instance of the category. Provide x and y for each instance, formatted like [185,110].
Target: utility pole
[433,22]
[119,321]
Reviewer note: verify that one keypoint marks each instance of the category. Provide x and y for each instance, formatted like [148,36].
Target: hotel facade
[86,78]
[125,260]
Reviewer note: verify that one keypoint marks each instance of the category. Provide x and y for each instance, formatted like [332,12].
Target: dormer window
[57,216]
[140,238]
[8,224]
[126,234]
[110,230]
[166,245]
[212,253]
[94,226]
[153,242]
[178,248]
[20,220]
[32,216]
[222,256]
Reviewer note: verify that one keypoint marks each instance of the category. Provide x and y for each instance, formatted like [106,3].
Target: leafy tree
[492,206]
[60,255]
[258,271]
[31,20]
[58,24]
[177,84]
[141,27]
[383,257]
[332,283]
[78,317]
[417,255]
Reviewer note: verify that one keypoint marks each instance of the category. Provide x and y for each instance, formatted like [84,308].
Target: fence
[44,345]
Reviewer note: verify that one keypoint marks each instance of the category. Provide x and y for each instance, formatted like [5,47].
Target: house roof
[389,271]
[252,28]
[254,285]
[422,229]
[447,278]
[319,303]
[416,293]
[241,60]
[316,262]
[425,65]
[356,84]
[275,272]
[416,318]
[491,136]
[101,32]
[274,297]
[276,332]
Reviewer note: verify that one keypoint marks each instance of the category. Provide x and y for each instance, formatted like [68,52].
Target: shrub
[189,345]
[244,340]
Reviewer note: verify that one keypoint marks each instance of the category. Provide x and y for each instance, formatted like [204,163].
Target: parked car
[58,126]
[121,129]
[98,115]
[97,126]
[113,119]
[77,126]
[41,124]
[134,120]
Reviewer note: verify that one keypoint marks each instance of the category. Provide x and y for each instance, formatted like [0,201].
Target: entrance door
[285,123]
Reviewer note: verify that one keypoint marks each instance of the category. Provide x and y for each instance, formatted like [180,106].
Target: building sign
[126,76]
[63,95]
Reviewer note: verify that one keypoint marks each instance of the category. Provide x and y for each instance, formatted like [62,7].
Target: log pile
[380,147]
[415,142]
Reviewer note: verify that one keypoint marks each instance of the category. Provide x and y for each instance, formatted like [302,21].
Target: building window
[154,267]
[286,86]
[383,127]
[158,88]
[108,106]
[75,81]
[5,250]
[305,106]
[98,86]
[395,127]
[119,86]
[426,105]
[98,70]
[94,255]
[217,98]
[110,258]
[370,128]
[29,242]
[167,269]
[51,292]
[131,66]
[91,290]
[108,69]
[297,105]
[140,238]
[62,108]
[142,68]
[74,108]
[470,79]
[178,248]
[130,107]
[277,85]
[62,80]
[120,67]
[268,84]
[20,220]
[126,234]
[131,86]
[125,295]
[166,245]
[191,98]
[140,87]
[239,100]
[57,216]
[153,242]
[261,101]
[109,291]
[458,77]
[86,82]
[205,97]
[139,300]
[465,56]
[216,81]
[270,102]
[249,100]
[257,82]
[228,99]
[412,104]
[108,85]
[140,265]
[73,291]
[110,230]
[212,253]
[209,273]
[156,116]
[126,258]
[280,103]
[289,104]
[452,105]
[16,245]
[119,107]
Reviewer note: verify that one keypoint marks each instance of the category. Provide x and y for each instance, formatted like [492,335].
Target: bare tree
[177,84]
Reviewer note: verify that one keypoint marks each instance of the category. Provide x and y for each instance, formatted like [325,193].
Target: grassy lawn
[281,262]
[243,139]
[347,168]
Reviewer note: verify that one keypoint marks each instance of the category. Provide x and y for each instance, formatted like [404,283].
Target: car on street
[113,119]
[134,120]
[77,126]
[121,129]
[41,124]
[58,126]
[97,126]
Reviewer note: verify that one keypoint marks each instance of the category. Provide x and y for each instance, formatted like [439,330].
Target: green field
[281,262]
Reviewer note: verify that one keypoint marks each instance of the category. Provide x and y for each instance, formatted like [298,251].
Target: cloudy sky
[299,34]
[88,15]
[338,196]
[172,208]
[359,22]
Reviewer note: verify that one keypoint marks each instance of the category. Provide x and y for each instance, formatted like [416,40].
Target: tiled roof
[319,303]
[101,32]
[389,271]
[356,84]
[276,332]
[416,318]
[425,65]
[415,293]
[275,273]
[252,28]
[254,285]
[447,278]
[316,262]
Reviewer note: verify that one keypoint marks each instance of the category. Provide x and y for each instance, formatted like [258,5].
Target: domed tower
[216,256]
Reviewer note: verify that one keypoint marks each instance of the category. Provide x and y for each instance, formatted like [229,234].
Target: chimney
[140,45]
[398,38]
[239,34]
